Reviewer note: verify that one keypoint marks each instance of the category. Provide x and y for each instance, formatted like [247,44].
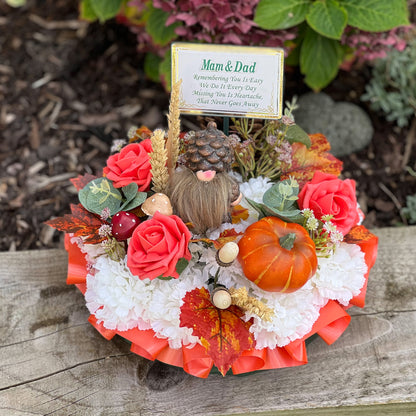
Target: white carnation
[122,301]
[341,276]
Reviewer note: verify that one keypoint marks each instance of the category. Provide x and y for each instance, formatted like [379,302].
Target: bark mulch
[68,89]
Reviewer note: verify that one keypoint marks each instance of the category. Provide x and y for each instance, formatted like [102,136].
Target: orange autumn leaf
[238,213]
[139,134]
[224,237]
[222,332]
[81,223]
[358,234]
[81,180]
[367,241]
[306,161]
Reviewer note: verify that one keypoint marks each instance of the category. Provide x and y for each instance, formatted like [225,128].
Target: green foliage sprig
[262,151]
[318,48]
[392,88]
[322,231]
[409,211]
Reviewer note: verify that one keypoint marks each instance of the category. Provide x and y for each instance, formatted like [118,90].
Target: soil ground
[68,89]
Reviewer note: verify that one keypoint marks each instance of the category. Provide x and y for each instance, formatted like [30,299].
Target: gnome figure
[202,192]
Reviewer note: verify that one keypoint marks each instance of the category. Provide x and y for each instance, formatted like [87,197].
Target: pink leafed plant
[218,21]
[368,46]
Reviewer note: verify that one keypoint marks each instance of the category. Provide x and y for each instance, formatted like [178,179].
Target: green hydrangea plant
[322,24]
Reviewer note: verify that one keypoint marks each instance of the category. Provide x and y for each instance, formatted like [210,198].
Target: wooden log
[52,362]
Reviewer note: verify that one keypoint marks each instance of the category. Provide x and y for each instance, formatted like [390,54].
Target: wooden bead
[221,298]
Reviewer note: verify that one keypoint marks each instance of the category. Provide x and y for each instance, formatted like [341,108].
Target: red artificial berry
[123,224]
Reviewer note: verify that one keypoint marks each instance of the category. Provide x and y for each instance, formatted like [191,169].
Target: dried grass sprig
[158,161]
[174,127]
[114,249]
[240,298]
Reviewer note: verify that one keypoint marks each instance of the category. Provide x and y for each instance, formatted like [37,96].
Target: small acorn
[221,298]
[123,224]
[227,254]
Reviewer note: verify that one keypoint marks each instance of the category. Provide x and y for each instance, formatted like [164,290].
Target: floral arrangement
[205,250]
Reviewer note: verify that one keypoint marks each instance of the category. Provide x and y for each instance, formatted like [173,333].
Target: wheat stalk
[158,159]
[174,128]
[241,299]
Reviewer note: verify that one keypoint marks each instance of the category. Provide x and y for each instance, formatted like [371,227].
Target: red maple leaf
[306,161]
[224,237]
[80,181]
[222,332]
[80,223]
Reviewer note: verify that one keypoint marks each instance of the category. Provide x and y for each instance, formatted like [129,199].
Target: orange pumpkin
[271,266]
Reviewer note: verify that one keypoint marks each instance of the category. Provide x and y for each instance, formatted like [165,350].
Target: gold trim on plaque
[268,112]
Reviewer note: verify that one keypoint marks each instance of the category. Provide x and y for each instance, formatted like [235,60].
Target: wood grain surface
[52,362]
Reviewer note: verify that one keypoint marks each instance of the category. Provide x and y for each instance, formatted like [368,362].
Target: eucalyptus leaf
[287,216]
[296,134]
[130,191]
[273,197]
[282,196]
[99,194]
[259,207]
[135,202]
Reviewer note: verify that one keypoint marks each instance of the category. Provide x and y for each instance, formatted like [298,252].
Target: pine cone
[208,150]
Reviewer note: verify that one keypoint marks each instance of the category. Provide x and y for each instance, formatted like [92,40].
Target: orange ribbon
[77,265]
[332,322]
[368,243]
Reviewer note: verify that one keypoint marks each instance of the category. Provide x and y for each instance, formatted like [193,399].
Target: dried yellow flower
[241,298]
